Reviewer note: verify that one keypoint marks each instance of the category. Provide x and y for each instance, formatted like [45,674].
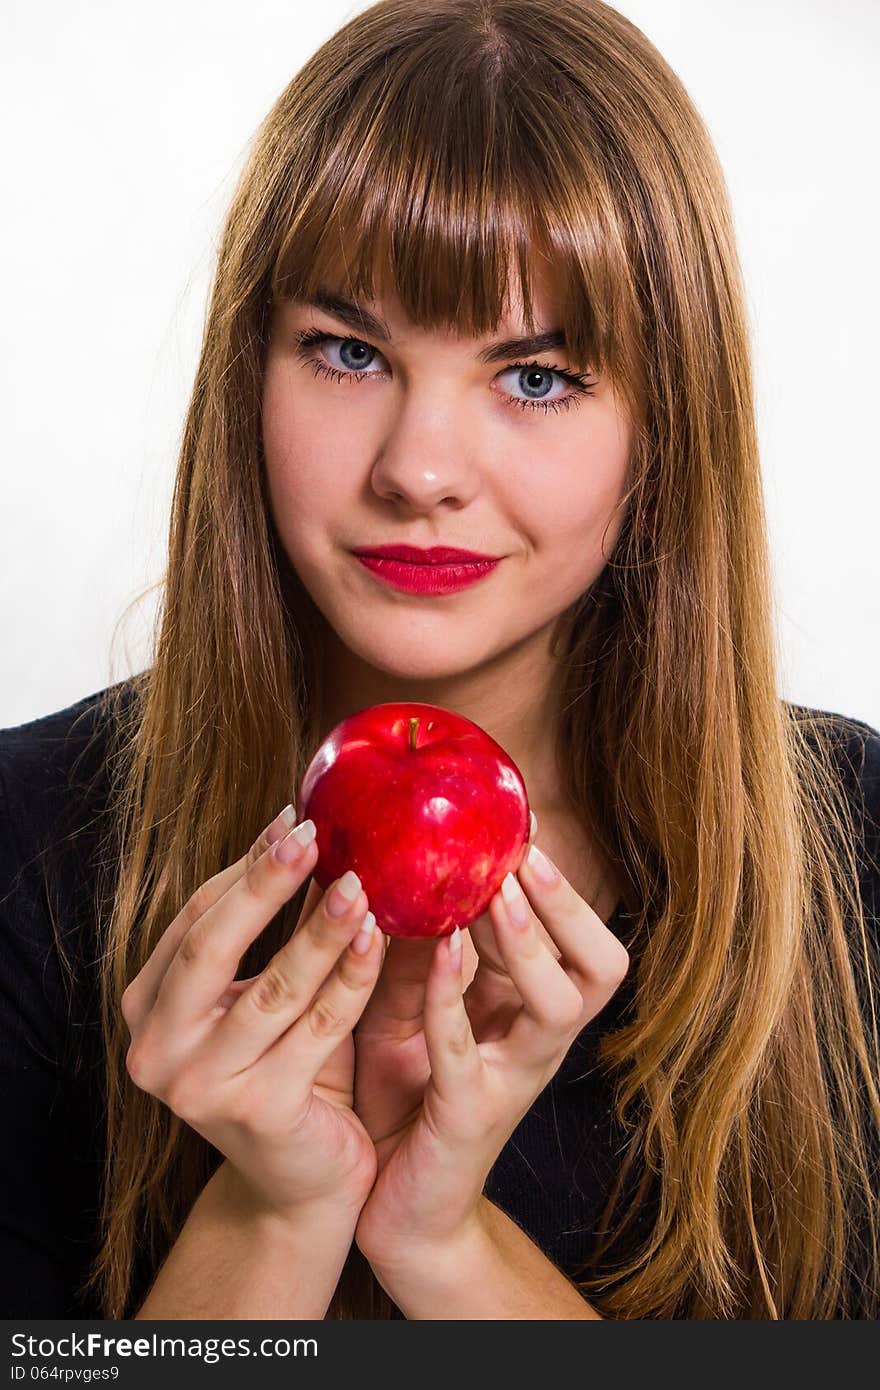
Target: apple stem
[413,731]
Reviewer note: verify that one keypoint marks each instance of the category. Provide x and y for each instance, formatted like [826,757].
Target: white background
[124,129]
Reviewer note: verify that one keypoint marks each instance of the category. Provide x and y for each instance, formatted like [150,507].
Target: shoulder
[45,756]
[53,792]
[853,747]
[855,741]
[52,771]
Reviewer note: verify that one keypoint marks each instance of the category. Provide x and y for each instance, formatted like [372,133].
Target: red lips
[435,555]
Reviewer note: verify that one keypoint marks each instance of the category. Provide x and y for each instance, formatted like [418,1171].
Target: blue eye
[579,386]
[357,355]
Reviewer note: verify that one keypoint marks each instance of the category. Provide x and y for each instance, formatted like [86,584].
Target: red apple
[428,810]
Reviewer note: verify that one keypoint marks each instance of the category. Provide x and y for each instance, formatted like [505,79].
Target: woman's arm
[494,1271]
[232,1261]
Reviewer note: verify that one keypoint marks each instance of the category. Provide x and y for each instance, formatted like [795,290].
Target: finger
[551,1002]
[452,1049]
[396,1006]
[314,894]
[491,972]
[491,978]
[481,931]
[237,987]
[490,983]
[559,997]
[592,955]
[306,1047]
[140,995]
[228,998]
[286,989]
[210,951]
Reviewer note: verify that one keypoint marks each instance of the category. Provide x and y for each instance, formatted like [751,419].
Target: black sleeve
[49,1167]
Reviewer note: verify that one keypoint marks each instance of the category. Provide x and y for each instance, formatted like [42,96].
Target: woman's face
[383,433]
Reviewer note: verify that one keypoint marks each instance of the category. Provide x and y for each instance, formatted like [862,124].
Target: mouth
[434,555]
[392,566]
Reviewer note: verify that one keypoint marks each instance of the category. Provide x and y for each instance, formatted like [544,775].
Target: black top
[552,1177]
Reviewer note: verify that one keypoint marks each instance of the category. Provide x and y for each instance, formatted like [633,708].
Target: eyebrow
[358,317]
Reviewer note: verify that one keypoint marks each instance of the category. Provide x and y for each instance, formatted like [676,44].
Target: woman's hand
[262,1068]
[392,1056]
[443,1077]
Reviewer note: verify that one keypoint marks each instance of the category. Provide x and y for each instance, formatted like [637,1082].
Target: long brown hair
[438,148]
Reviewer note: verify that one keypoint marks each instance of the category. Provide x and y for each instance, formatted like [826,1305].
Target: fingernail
[344,894]
[364,938]
[280,824]
[292,845]
[544,871]
[455,943]
[514,900]
[533,823]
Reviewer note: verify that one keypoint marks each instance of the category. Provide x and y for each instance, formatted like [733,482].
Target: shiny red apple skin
[425,806]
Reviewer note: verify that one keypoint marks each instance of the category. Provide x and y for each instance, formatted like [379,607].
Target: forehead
[384,315]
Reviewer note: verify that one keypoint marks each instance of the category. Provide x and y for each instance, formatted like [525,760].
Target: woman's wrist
[436,1279]
[234,1258]
[447,1252]
[229,1190]
[488,1269]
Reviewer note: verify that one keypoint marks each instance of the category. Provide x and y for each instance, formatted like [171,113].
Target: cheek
[289,434]
[581,486]
[303,456]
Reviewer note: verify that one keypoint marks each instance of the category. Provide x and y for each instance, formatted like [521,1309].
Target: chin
[414,666]
[395,639]
[408,657]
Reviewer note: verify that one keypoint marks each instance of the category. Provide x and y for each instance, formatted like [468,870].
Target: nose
[426,458]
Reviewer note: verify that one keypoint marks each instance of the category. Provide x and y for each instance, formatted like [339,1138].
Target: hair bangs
[434,197]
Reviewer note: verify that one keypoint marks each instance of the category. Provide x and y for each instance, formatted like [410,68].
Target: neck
[513,697]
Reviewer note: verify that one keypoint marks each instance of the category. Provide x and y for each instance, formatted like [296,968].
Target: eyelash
[316,337]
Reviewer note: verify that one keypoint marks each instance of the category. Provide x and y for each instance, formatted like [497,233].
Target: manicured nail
[514,900]
[344,894]
[279,825]
[544,871]
[295,841]
[455,944]
[533,823]
[364,938]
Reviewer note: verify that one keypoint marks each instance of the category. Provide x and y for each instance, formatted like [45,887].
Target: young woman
[477,289]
